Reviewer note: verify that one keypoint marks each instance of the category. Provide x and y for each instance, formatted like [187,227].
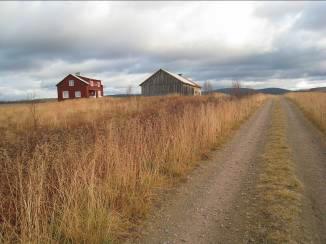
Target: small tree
[207,87]
[236,89]
[33,109]
[129,90]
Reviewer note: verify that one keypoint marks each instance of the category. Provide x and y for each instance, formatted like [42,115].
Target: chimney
[77,73]
[180,74]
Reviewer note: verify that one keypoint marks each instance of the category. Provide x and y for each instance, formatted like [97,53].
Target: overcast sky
[270,44]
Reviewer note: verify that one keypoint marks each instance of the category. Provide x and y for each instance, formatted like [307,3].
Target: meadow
[89,170]
[313,105]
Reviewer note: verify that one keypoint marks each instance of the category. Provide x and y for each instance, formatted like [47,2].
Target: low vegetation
[314,106]
[279,191]
[88,170]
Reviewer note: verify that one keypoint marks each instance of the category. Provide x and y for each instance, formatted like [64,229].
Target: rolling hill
[274,91]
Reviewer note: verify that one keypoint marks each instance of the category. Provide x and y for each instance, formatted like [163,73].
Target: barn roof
[182,79]
[178,77]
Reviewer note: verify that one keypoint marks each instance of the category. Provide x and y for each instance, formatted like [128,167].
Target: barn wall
[197,91]
[162,83]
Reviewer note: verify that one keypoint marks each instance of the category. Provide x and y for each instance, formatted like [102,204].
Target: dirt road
[211,206]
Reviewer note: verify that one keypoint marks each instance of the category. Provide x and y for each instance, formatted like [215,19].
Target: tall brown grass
[88,170]
[314,106]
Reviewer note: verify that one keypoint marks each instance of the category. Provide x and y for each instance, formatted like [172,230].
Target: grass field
[88,170]
[314,106]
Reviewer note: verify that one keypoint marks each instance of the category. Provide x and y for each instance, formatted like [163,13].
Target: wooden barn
[163,82]
[77,86]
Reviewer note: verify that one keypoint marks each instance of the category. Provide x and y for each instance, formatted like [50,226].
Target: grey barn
[163,82]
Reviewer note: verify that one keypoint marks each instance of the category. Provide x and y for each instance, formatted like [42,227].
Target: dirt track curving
[211,206]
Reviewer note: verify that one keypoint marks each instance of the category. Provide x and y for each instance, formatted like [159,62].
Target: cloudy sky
[272,44]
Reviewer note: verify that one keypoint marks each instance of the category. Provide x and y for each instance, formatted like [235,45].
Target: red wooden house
[77,86]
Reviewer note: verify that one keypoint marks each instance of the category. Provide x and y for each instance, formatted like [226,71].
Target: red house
[77,86]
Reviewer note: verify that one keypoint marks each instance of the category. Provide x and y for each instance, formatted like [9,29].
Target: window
[77,94]
[71,83]
[98,84]
[91,83]
[65,94]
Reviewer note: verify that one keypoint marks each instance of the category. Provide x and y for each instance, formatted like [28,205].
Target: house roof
[79,78]
[178,77]
[84,79]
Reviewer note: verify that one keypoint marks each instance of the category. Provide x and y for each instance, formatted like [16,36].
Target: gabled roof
[183,79]
[178,77]
[86,78]
[79,78]
[83,79]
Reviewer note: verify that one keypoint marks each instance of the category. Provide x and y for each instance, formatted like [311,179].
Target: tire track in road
[309,152]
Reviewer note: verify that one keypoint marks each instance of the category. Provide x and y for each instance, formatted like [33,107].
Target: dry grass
[314,106]
[87,170]
[279,191]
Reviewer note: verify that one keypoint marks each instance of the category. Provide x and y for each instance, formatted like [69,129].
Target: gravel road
[210,207]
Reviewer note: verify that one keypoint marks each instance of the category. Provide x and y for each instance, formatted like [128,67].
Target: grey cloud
[277,11]
[45,41]
[313,17]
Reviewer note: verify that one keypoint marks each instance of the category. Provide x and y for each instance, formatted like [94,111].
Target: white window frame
[65,94]
[71,83]
[79,94]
